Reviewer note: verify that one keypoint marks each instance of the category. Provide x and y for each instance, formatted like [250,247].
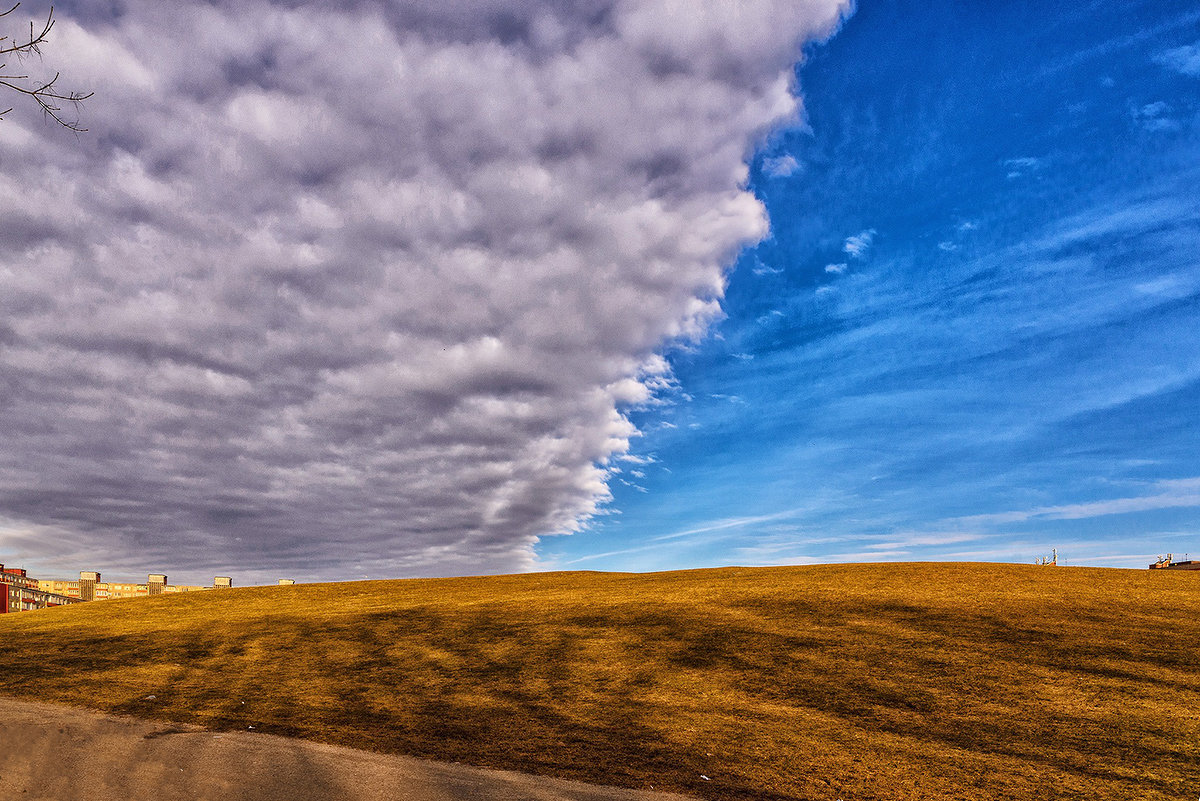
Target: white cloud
[1184,59]
[1024,163]
[837,269]
[782,166]
[857,246]
[366,284]
[1154,117]
[1022,166]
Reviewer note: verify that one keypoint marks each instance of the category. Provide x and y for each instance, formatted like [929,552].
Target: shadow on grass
[612,693]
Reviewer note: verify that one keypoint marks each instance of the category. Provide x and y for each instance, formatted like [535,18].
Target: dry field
[912,681]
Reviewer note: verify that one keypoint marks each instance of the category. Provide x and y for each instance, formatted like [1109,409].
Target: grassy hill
[912,681]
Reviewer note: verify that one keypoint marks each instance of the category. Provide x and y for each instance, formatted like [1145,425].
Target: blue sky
[602,284]
[974,330]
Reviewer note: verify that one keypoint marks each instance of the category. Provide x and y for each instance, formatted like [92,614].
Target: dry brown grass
[914,681]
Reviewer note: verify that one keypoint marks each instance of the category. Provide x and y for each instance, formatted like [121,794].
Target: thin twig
[45,94]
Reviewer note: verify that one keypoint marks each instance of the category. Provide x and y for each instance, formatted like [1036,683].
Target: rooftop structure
[1167,563]
[1052,562]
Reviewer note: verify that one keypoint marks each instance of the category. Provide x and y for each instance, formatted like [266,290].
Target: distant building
[89,587]
[286,582]
[87,584]
[1051,562]
[20,593]
[1165,563]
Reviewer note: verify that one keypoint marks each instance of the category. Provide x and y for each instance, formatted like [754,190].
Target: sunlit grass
[915,681]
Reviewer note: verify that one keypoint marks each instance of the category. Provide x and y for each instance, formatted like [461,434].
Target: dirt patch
[53,752]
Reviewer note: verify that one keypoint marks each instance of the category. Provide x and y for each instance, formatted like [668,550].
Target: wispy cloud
[857,246]
[1022,166]
[1171,494]
[689,537]
[762,269]
[1122,217]
[919,539]
[782,166]
[728,523]
[1155,117]
[1184,59]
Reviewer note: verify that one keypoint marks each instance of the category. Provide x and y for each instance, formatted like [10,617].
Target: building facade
[90,587]
[20,593]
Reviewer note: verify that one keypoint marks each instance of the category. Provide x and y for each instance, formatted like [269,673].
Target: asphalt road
[50,752]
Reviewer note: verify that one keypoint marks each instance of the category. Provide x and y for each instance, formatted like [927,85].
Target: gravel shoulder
[48,751]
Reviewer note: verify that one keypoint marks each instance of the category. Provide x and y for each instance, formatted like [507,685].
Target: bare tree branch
[45,94]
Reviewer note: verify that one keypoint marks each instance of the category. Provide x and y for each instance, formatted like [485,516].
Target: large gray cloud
[332,289]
